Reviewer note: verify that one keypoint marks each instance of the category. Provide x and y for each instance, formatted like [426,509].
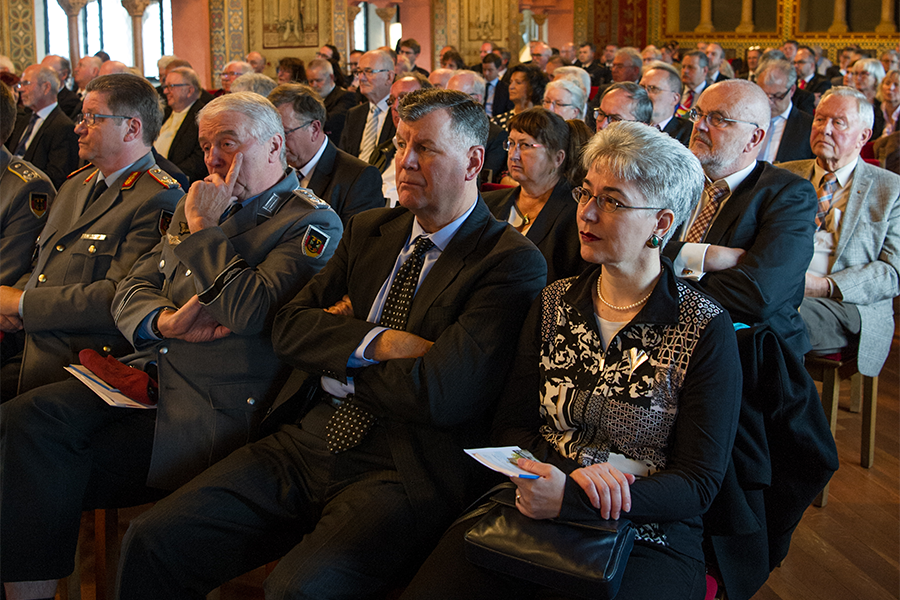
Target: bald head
[440,77]
[87,69]
[113,67]
[59,64]
[468,82]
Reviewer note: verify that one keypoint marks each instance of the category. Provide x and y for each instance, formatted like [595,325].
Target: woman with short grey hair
[566,98]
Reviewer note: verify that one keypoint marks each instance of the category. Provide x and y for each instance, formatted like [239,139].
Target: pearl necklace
[621,308]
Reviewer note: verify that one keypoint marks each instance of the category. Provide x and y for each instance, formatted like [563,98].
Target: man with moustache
[400,347]
[749,241]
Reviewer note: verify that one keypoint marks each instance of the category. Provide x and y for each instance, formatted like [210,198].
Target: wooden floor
[848,550]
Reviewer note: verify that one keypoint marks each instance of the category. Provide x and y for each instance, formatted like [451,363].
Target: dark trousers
[653,572]
[831,324]
[341,523]
[64,450]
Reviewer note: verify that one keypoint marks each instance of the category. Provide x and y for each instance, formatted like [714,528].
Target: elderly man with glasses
[623,102]
[369,124]
[750,239]
[787,137]
[662,82]
[177,139]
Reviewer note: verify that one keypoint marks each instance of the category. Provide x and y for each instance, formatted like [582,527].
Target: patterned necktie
[350,422]
[20,149]
[686,104]
[826,197]
[714,194]
[370,135]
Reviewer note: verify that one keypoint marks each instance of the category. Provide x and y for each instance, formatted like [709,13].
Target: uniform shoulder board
[272,204]
[131,180]
[77,171]
[24,172]
[163,178]
[313,200]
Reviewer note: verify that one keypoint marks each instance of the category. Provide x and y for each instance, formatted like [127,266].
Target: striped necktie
[826,197]
[370,135]
[714,193]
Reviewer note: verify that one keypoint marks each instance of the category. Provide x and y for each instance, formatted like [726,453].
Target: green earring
[654,241]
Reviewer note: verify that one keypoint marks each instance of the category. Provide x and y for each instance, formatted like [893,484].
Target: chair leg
[856,392]
[831,391]
[869,406]
[106,532]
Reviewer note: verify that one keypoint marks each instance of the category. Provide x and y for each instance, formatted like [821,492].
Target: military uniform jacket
[25,196]
[242,271]
[82,254]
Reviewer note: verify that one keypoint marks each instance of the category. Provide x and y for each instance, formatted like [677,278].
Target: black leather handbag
[585,559]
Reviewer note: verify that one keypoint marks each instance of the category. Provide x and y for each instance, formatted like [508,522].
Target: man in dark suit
[48,141]
[369,124]
[787,137]
[346,183]
[495,153]
[177,139]
[338,101]
[807,78]
[750,239]
[199,310]
[496,96]
[68,101]
[715,54]
[587,60]
[412,374]
[662,83]
[411,49]
[855,273]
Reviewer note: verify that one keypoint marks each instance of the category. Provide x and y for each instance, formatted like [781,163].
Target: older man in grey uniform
[199,310]
[107,215]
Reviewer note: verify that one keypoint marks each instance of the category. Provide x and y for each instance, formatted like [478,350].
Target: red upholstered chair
[868,150]
[830,370]
[490,187]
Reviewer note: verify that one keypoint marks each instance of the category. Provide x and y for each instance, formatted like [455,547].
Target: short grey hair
[784,67]
[576,74]
[579,98]
[254,82]
[672,74]
[468,119]
[641,105]
[304,101]
[190,76]
[48,75]
[864,108]
[320,64]
[262,120]
[873,67]
[666,173]
[633,55]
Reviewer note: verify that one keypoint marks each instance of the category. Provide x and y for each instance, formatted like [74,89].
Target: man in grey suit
[199,310]
[855,271]
[348,184]
[104,218]
[413,374]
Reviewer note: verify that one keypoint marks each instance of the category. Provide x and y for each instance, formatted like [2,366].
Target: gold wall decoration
[289,23]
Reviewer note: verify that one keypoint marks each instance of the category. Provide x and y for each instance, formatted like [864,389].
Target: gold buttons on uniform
[162,264]
[164,350]
[60,248]
[91,249]
[187,273]
[42,278]
[107,349]
[251,401]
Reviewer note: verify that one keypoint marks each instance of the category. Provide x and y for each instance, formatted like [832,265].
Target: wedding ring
[518,496]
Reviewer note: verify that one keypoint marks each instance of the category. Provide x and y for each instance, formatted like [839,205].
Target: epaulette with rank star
[77,171]
[163,178]
[24,172]
[308,196]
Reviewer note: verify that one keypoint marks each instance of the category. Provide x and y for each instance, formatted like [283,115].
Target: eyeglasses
[616,65]
[23,83]
[652,89]
[605,202]
[509,145]
[288,132]
[90,118]
[368,72]
[230,74]
[715,119]
[779,97]
[798,62]
[550,104]
[599,115]
[175,85]
[322,55]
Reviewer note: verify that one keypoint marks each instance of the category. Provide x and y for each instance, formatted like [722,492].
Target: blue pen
[528,476]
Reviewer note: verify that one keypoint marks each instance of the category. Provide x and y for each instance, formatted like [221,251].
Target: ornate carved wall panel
[622,22]
[17,32]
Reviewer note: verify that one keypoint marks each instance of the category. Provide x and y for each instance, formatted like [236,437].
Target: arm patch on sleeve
[315,241]
[224,278]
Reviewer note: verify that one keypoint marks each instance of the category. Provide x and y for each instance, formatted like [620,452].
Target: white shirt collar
[843,174]
[308,168]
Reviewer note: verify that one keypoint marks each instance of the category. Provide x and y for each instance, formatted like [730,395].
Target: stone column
[746,25]
[706,24]
[839,24]
[539,20]
[352,11]
[887,18]
[72,8]
[387,15]
[136,9]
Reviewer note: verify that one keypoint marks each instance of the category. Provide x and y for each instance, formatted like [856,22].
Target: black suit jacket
[69,102]
[599,73]
[471,305]
[819,84]
[337,103]
[502,102]
[720,77]
[680,129]
[348,184]
[355,125]
[494,153]
[554,231]
[771,215]
[54,148]
[804,101]
[795,139]
[185,149]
